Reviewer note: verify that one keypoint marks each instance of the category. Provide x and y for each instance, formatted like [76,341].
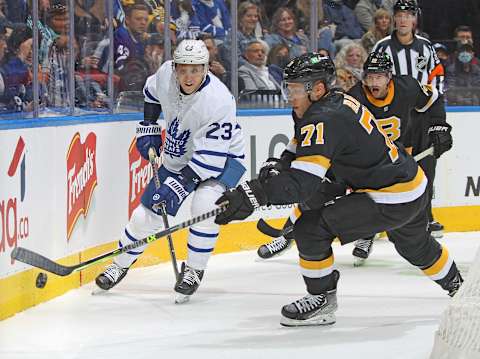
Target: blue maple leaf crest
[176,143]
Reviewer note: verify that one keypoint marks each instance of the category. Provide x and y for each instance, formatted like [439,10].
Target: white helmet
[192,52]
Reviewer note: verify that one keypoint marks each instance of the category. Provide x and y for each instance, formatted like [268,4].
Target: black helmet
[309,68]
[378,62]
[405,5]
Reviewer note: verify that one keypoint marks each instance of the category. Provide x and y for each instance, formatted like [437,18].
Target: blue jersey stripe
[202,234]
[129,236]
[218,154]
[149,95]
[208,167]
[200,250]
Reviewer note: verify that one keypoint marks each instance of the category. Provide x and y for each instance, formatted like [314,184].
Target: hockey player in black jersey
[391,99]
[335,132]
[415,56]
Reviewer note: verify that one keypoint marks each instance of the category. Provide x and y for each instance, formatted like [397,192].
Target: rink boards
[67,190]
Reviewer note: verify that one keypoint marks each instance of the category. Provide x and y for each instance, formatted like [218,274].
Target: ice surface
[387,309]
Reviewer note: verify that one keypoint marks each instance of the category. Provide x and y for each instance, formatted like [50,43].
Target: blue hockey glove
[149,134]
[175,189]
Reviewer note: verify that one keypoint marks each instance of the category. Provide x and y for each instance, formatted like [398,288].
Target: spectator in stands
[157,25]
[463,34]
[278,57]
[154,52]
[349,63]
[213,17]
[463,77]
[284,31]
[186,20]
[216,66]
[248,22]
[17,71]
[347,25]
[129,39]
[55,65]
[365,11]
[382,27]
[254,73]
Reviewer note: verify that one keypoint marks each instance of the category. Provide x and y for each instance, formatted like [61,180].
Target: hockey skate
[361,251]
[436,229]
[111,276]
[311,309]
[187,284]
[275,248]
[454,285]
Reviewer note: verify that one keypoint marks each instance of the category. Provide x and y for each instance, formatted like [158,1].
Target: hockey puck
[41,280]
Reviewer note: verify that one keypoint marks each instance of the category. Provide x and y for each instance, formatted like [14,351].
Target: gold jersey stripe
[439,264]
[323,264]
[401,187]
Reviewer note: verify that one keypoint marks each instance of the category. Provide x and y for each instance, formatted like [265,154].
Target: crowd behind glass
[56,56]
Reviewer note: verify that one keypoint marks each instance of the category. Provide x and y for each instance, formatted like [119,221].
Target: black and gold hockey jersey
[339,134]
[393,114]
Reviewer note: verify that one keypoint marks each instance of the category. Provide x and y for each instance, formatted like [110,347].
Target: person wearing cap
[463,77]
[415,56]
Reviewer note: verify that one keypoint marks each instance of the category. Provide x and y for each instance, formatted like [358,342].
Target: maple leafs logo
[176,143]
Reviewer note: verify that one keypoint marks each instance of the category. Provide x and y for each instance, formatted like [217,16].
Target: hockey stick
[37,260]
[271,231]
[152,157]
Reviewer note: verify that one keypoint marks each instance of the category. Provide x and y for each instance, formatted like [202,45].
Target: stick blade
[37,260]
[267,229]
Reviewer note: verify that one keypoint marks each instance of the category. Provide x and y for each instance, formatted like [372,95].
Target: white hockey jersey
[201,129]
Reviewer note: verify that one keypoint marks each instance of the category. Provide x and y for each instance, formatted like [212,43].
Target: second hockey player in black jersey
[391,99]
[335,132]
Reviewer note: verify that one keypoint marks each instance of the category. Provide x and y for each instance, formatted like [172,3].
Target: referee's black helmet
[406,5]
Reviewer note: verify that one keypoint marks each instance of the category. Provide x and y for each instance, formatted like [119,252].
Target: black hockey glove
[273,166]
[242,201]
[440,138]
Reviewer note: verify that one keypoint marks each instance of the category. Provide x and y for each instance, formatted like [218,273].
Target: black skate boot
[312,309]
[454,285]
[436,229]
[361,251]
[111,276]
[187,283]
[275,248]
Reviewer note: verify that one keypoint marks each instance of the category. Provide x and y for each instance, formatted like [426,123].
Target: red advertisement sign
[81,177]
[140,173]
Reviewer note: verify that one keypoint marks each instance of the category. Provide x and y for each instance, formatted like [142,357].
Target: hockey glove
[440,138]
[149,134]
[242,201]
[273,166]
[174,190]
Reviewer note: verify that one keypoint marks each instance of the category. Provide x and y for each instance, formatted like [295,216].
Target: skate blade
[359,262]
[98,291]
[325,319]
[181,298]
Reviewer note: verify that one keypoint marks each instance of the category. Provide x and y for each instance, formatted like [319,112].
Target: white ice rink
[387,309]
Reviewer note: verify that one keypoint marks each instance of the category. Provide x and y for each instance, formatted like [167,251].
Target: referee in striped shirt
[415,56]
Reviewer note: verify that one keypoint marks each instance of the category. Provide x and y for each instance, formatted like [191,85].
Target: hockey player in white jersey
[203,154]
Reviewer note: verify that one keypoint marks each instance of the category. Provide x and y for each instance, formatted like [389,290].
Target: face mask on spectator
[465,57]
